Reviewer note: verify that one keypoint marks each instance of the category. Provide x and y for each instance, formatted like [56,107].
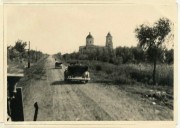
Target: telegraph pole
[29,56]
[36,54]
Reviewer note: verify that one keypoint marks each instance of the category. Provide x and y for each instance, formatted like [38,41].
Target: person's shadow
[36,111]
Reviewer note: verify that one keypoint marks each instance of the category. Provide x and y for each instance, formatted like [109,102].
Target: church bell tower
[109,42]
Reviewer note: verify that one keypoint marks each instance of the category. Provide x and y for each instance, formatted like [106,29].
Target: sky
[53,28]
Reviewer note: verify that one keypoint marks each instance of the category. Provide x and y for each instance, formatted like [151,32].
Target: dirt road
[59,101]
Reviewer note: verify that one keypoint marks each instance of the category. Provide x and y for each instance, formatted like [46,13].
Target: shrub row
[131,73]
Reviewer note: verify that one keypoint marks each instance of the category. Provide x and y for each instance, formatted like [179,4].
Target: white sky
[63,27]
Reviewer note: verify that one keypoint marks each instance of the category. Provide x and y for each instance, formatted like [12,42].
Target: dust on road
[60,101]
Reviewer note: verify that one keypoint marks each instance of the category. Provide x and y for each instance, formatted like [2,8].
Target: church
[90,43]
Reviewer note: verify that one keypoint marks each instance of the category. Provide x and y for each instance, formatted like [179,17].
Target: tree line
[119,55]
[19,53]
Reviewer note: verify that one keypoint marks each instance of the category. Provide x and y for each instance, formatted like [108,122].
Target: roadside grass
[15,67]
[36,71]
[161,95]
[130,73]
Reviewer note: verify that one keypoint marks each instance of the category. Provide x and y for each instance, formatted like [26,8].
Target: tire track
[116,108]
[96,112]
[80,112]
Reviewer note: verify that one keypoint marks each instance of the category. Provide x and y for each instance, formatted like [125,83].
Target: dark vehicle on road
[77,72]
[58,64]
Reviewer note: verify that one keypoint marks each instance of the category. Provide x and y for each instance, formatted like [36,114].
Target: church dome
[89,36]
[109,34]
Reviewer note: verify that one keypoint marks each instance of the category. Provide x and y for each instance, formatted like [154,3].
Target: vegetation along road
[60,101]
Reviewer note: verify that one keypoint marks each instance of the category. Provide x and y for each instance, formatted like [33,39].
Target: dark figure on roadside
[36,111]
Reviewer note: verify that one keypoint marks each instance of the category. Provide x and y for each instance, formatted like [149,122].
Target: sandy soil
[59,101]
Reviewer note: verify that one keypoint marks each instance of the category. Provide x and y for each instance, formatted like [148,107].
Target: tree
[126,54]
[151,39]
[105,57]
[139,55]
[169,54]
[99,53]
[13,53]
[20,47]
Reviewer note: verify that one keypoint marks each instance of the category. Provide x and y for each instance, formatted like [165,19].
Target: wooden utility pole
[36,54]
[29,56]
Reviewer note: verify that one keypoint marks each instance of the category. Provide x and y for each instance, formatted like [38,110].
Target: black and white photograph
[90,62]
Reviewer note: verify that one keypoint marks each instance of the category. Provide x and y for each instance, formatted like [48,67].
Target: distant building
[90,43]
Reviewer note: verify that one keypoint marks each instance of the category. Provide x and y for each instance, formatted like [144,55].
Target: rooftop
[89,36]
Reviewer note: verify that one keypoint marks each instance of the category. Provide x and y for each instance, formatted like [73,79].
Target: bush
[109,71]
[123,79]
[141,76]
[98,68]
[164,75]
